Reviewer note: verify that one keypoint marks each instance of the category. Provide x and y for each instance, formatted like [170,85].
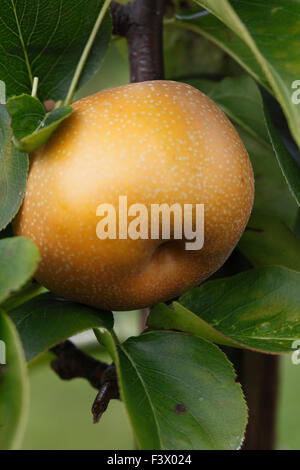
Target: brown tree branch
[72,363]
[260,380]
[259,376]
[141,22]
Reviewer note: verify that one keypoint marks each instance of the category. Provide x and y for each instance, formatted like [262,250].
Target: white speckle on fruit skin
[154,142]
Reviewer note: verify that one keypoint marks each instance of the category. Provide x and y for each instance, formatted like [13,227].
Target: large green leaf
[14,395]
[45,38]
[257,25]
[267,241]
[179,318]
[229,99]
[13,172]
[46,320]
[258,309]
[272,195]
[19,259]
[180,393]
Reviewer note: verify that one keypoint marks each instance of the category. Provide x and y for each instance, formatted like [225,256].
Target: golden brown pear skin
[154,142]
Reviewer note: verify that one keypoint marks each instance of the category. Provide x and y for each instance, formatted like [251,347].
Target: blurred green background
[60,414]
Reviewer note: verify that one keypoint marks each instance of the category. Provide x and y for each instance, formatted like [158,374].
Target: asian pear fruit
[156,142]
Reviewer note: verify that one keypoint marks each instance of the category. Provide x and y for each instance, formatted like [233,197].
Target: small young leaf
[107,338]
[47,320]
[180,393]
[26,115]
[14,394]
[13,172]
[257,309]
[19,259]
[31,125]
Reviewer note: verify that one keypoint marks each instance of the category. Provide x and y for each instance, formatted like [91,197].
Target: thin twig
[108,391]
[72,363]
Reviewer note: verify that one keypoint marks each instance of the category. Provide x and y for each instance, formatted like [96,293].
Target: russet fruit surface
[154,142]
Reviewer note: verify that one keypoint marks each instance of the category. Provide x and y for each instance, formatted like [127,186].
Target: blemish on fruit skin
[179,409]
[185,150]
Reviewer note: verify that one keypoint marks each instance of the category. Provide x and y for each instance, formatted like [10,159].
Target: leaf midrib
[146,392]
[22,42]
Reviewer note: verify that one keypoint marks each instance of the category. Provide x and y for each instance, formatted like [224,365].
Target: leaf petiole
[35,87]
[85,53]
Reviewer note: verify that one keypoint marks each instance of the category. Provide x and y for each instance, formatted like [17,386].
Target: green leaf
[47,320]
[31,125]
[288,165]
[30,290]
[26,115]
[180,318]
[108,339]
[267,241]
[14,396]
[278,58]
[272,195]
[19,259]
[182,53]
[217,32]
[257,309]
[13,172]
[180,393]
[46,40]
[241,101]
